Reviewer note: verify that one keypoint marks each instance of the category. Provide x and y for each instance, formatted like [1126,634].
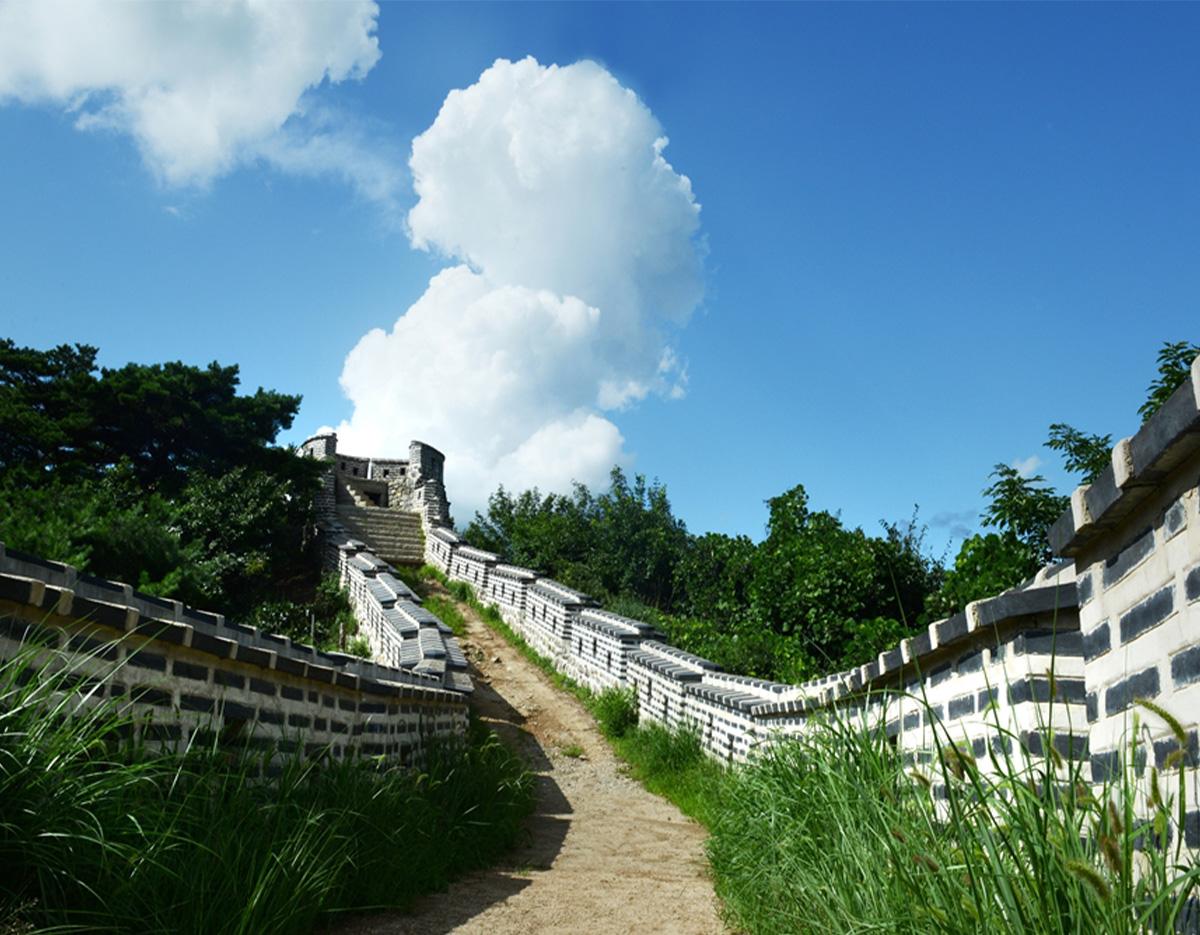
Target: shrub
[616,711]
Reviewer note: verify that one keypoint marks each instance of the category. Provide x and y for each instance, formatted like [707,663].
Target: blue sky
[929,231]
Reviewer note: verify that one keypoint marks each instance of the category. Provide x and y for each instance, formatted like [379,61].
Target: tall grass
[100,834]
[832,833]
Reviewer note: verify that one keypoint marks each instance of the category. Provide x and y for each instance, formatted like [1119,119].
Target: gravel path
[602,854]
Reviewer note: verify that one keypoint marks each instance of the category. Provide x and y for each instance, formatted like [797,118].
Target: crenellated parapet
[189,676]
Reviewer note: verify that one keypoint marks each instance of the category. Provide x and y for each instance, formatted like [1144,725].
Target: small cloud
[174,210]
[959,523]
[1026,467]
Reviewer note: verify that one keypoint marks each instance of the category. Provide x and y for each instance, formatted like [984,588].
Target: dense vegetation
[163,476]
[99,835]
[813,595]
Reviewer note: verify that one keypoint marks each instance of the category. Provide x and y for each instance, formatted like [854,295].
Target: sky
[872,249]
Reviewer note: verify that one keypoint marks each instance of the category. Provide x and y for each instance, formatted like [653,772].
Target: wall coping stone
[1138,463]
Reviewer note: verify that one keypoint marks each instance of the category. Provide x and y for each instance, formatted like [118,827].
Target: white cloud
[1027,467]
[577,258]
[200,87]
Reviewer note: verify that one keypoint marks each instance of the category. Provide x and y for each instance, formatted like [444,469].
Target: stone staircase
[393,535]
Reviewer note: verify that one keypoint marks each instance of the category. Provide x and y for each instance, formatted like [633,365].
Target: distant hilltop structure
[387,502]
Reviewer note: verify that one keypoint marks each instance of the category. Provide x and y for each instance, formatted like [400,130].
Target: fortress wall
[1134,535]
[189,676]
[505,588]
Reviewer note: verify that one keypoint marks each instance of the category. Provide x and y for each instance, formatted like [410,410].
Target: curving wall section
[1060,660]
[187,676]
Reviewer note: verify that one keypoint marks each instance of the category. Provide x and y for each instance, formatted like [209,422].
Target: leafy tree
[1083,454]
[159,475]
[712,578]
[1088,455]
[57,416]
[623,541]
[1174,367]
[1022,509]
[810,574]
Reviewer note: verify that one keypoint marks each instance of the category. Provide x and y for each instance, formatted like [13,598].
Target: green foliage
[1083,454]
[101,836]
[616,711]
[843,594]
[830,832]
[1023,509]
[58,417]
[712,576]
[446,611]
[783,609]
[985,566]
[159,475]
[623,541]
[326,621]
[1174,367]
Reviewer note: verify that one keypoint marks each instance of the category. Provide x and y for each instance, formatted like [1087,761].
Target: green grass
[97,834]
[572,750]
[833,832]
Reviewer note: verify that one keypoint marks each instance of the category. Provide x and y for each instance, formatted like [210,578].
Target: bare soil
[601,855]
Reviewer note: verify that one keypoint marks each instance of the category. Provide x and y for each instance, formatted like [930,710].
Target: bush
[616,711]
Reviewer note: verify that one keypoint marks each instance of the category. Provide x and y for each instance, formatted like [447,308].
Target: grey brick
[290,693]
[188,670]
[1120,696]
[1175,518]
[1185,666]
[1119,565]
[1148,613]
[1165,747]
[262,686]
[1191,585]
[229,679]
[233,711]
[196,703]
[1093,707]
[959,707]
[1097,642]
[1083,588]
[145,660]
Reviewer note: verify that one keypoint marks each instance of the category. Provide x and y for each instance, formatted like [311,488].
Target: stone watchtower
[386,502]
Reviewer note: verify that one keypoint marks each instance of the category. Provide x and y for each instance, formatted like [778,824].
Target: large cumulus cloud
[576,257]
[200,87]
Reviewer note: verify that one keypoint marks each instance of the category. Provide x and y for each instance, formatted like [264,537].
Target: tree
[160,475]
[1022,509]
[1025,509]
[1174,367]
[1083,454]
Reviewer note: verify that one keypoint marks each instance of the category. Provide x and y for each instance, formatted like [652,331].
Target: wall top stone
[559,593]
[477,555]
[1138,463]
[516,572]
[615,625]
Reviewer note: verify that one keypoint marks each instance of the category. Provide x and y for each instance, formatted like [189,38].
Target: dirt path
[602,856]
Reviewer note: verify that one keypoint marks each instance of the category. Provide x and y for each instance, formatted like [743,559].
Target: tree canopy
[158,474]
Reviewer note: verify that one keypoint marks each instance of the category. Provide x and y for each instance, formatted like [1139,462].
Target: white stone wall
[189,676]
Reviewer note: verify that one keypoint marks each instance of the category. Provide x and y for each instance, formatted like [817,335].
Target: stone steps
[394,536]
